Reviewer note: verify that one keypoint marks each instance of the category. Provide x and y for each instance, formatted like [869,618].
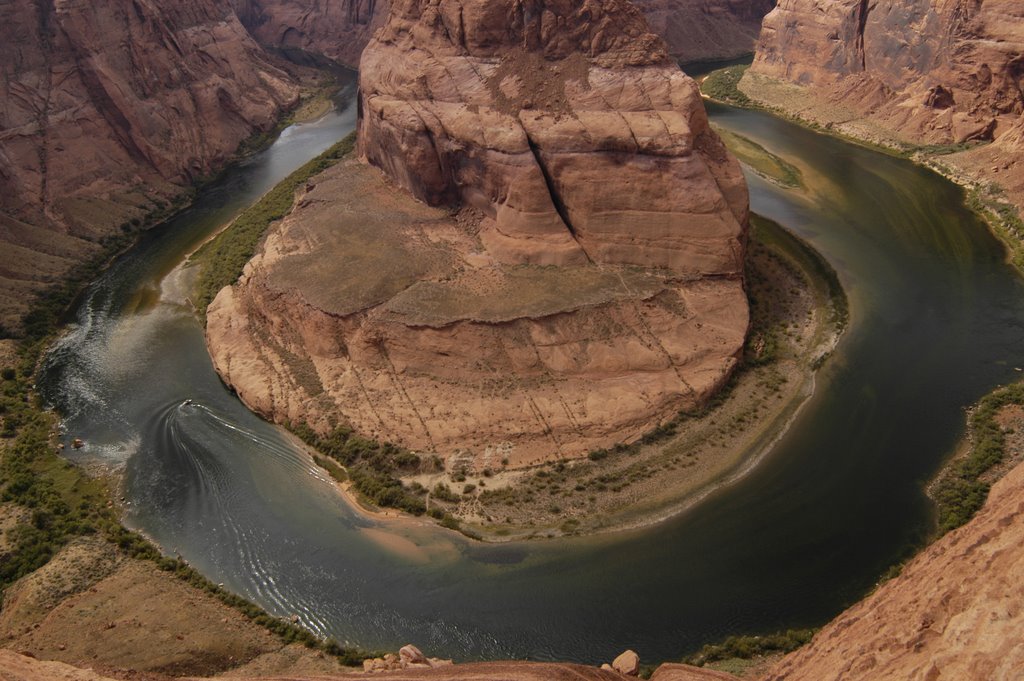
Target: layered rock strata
[918,72]
[694,30]
[706,30]
[567,125]
[337,30]
[589,287]
[109,109]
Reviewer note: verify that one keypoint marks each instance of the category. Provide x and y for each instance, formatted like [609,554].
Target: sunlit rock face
[936,71]
[540,252]
[566,124]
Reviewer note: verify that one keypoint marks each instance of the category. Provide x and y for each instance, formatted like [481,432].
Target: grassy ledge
[763,162]
[723,86]
[738,654]
[222,259]
[1002,217]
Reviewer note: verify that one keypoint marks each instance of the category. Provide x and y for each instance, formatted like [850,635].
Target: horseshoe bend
[537,252]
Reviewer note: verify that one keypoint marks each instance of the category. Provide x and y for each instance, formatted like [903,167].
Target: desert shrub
[960,492]
[746,647]
[371,466]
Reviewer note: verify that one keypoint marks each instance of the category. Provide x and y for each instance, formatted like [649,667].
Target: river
[936,322]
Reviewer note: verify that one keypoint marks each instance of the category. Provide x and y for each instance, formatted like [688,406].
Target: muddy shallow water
[937,320]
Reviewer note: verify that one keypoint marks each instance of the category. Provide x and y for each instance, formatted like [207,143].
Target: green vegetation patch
[760,160]
[805,258]
[1004,218]
[223,258]
[370,465]
[62,501]
[723,85]
[960,490]
[747,647]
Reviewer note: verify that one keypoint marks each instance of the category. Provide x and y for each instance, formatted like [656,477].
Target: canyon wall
[337,30]
[574,279]
[706,30]
[695,30]
[109,110]
[938,73]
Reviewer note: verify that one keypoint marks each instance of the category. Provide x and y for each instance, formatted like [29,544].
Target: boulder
[627,663]
[410,654]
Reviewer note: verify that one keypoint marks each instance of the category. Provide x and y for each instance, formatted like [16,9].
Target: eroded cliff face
[706,30]
[109,108]
[694,30]
[574,279]
[337,30]
[526,110]
[938,71]
[919,72]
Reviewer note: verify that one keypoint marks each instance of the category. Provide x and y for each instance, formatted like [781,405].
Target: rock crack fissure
[556,198]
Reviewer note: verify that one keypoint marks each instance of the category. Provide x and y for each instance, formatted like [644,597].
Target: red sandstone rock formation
[932,72]
[566,124]
[706,30]
[337,30]
[108,108]
[590,287]
[938,71]
[695,30]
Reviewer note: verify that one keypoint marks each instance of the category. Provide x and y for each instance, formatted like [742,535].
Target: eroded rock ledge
[572,272]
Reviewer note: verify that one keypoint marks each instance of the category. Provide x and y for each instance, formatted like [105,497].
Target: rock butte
[109,108]
[933,72]
[112,109]
[589,287]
